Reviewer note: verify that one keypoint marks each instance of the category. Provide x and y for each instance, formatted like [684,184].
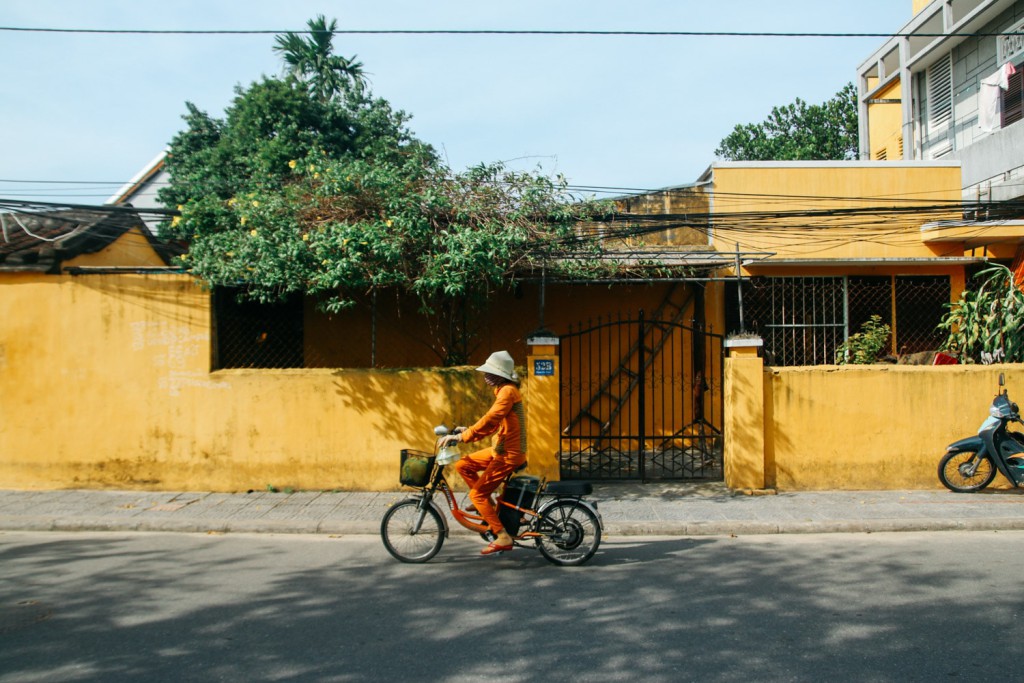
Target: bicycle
[553,515]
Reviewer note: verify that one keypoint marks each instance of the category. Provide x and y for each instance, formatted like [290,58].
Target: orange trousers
[484,471]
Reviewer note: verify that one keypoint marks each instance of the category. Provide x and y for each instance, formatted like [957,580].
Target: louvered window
[939,113]
[1013,99]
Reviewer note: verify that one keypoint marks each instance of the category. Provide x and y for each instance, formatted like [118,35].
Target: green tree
[312,60]
[267,127]
[336,198]
[799,131]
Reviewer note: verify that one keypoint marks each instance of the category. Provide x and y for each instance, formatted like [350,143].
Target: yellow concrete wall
[541,395]
[817,186]
[405,336]
[107,384]
[744,420]
[885,124]
[692,200]
[873,427]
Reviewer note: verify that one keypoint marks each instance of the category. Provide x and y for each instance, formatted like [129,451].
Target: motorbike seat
[569,488]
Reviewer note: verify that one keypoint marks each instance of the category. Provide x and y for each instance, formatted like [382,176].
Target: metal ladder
[645,347]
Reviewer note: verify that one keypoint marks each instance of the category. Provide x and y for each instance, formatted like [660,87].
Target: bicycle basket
[415,467]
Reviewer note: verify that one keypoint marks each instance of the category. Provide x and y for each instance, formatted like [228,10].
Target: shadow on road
[176,607]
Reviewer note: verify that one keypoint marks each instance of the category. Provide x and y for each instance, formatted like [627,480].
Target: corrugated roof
[41,241]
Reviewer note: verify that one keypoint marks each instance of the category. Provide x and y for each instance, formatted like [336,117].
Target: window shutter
[938,123]
[1013,99]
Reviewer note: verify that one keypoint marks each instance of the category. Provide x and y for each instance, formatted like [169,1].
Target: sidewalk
[676,509]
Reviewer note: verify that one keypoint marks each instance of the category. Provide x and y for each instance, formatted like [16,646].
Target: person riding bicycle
[484,470]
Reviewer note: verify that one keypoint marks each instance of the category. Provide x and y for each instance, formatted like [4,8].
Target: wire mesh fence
[385,332]
[804,320]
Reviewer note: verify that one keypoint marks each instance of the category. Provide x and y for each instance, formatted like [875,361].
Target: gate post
[542,398]
[744,452]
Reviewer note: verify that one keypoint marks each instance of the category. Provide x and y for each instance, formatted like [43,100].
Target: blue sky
[638,112]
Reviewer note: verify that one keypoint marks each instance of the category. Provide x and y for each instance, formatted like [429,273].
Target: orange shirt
[506,420]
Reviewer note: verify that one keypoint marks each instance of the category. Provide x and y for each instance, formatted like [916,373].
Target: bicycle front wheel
[412,531]
[569,533]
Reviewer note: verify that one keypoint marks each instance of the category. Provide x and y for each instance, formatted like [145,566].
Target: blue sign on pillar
[543,368]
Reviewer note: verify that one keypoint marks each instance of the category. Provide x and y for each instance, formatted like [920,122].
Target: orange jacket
[506,420]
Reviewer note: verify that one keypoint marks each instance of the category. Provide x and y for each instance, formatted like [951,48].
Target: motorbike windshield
[989,424]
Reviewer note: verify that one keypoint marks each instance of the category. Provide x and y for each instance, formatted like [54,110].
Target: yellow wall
[405,336]
[683,200]
[744,459]
[873,427]
[107,384]
[885,124]
[818,186]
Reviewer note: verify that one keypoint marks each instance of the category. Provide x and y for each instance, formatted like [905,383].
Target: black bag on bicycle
[521,492]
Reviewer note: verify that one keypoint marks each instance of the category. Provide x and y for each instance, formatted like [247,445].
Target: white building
[947,85]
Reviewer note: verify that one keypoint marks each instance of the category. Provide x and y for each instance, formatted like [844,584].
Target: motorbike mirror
[1002,381]
[440,430]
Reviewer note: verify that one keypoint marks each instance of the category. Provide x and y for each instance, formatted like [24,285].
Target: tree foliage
[986,325]
[333,196]
[312,60]
[799,131]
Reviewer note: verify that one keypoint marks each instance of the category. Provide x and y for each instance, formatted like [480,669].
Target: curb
[611,529]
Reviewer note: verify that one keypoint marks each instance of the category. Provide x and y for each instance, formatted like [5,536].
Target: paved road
[167,607]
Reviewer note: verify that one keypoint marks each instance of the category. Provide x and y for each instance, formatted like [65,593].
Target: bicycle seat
[520,468]
[569,488]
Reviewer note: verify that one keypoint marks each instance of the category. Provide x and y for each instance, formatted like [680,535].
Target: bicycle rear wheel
[412,531]
[569,533]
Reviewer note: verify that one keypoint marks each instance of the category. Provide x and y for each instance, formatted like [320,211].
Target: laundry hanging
[990,101]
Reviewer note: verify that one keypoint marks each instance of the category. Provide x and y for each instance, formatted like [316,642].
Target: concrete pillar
[744,453]
[543,419]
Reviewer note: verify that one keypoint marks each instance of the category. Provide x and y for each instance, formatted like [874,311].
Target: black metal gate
[641,399]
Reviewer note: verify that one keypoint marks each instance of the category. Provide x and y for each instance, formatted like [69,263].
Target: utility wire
[720,196]
[510,32]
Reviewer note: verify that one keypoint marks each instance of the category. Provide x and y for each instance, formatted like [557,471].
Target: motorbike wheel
[411,531]
[955,471]
[569,533]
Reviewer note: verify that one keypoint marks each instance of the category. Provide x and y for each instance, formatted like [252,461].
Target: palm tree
[312,60]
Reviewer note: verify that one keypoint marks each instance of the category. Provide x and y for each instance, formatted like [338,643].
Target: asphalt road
[171,607]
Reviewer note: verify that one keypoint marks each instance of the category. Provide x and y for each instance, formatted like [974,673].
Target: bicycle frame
[469,520]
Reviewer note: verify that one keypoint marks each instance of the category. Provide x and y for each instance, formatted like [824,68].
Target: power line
[597,189]
[63,182]
[509,32]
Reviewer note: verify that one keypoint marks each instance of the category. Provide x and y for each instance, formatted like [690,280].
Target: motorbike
[971,464]
[555,516]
